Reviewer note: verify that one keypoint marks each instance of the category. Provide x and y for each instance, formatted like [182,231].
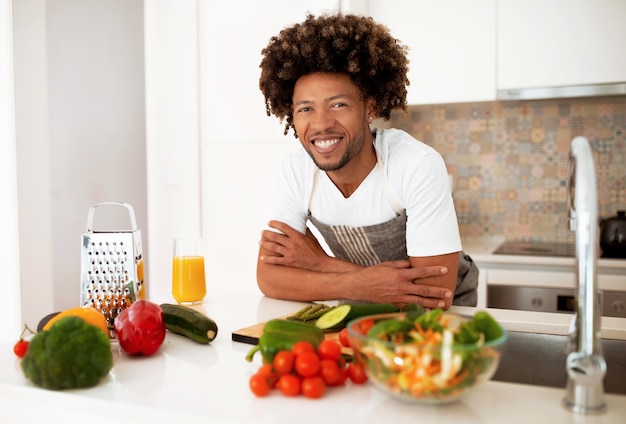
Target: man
[379,200]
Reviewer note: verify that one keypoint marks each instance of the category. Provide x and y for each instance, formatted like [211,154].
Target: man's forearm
[289,283]
[333,264]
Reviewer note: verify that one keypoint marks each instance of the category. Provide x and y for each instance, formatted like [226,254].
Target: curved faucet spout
[586,366]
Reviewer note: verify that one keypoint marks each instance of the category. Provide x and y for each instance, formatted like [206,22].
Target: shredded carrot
[462,375]
[414,367]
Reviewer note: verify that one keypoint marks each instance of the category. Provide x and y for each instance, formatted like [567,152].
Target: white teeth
[325,144]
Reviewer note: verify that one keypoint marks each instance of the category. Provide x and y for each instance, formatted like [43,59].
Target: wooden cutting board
[251,334]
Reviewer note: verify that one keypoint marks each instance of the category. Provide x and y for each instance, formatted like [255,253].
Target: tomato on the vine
[259,385]
[313,387]
[302,346]
[267,371]
[329,349]
[20,348]
[289,384]
[307,364]
[356,373]
[343,337]
[283,362]
[343,376]
[365,325]
[307,370]
[330,371]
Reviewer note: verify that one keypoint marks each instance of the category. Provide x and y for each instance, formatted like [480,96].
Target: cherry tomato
[356,373]
[343,337]
[330,372]
[329,349]
[365,325]
[267,371]
[283,362]
[289,384]
[20,348]
[343,376]
[259,385]
[302,346]
[313,387]
[307,364]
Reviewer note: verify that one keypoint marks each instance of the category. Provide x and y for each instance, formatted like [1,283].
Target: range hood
[562,92]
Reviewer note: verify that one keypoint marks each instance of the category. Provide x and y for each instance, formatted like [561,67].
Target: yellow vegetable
[89,314]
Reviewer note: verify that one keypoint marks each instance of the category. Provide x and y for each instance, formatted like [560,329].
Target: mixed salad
[432,355]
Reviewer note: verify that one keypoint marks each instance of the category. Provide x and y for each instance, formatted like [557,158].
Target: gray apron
[373,244]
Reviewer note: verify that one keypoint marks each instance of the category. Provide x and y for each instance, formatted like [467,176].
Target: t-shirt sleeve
[288,202]
[432,226]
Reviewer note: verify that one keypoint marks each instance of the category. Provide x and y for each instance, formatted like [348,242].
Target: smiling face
[331,119]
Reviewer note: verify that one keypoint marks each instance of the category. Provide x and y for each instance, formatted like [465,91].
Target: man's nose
[322,120]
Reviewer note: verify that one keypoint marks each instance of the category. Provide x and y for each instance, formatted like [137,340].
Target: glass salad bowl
[429,357]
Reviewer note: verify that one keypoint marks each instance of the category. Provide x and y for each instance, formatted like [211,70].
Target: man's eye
[339,105]
[303,109]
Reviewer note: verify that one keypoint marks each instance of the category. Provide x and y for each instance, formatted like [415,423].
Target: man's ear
[370,108]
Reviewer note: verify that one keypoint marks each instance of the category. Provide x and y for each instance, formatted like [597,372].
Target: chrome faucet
[585,365]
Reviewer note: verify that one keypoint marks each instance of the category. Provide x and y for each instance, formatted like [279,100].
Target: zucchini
[189,323]
[339,316]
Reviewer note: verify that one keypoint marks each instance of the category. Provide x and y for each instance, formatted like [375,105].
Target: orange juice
[188,280]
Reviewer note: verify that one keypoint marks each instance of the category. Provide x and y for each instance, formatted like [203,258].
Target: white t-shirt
[416,178]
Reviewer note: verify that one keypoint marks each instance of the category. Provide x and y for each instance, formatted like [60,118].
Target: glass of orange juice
[188,280]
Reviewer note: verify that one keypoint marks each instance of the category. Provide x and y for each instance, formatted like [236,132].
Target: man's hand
[394,282]
[291,248]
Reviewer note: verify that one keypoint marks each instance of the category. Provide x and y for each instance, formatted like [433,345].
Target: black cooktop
[539,248]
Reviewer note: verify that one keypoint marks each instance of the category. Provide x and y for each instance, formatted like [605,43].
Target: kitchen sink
[539,359]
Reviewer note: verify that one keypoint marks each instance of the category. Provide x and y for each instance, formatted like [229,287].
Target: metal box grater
[111,266]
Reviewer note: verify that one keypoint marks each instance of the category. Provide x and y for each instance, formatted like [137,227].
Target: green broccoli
[71,354]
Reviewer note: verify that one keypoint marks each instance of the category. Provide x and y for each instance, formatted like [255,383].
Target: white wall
[9,255]
[80,129]
[172,124]
[33,159]
[219,114]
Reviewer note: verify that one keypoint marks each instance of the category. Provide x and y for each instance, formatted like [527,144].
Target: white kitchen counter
[192,383]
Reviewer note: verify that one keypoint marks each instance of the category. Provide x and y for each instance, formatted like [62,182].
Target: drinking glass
[188,279]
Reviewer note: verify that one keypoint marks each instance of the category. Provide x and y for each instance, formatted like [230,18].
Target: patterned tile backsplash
[509,160]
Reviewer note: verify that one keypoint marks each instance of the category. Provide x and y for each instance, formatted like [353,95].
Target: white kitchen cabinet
[452,47]
[560,43]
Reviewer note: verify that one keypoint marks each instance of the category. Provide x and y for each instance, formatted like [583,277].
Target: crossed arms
[294,266]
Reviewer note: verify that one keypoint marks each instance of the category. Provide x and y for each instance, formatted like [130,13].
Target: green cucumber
[189,323]
[340,315]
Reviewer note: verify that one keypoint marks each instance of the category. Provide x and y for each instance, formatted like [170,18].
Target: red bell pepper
[140,328]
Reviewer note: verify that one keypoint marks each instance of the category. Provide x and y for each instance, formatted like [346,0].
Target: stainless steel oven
[545,299]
